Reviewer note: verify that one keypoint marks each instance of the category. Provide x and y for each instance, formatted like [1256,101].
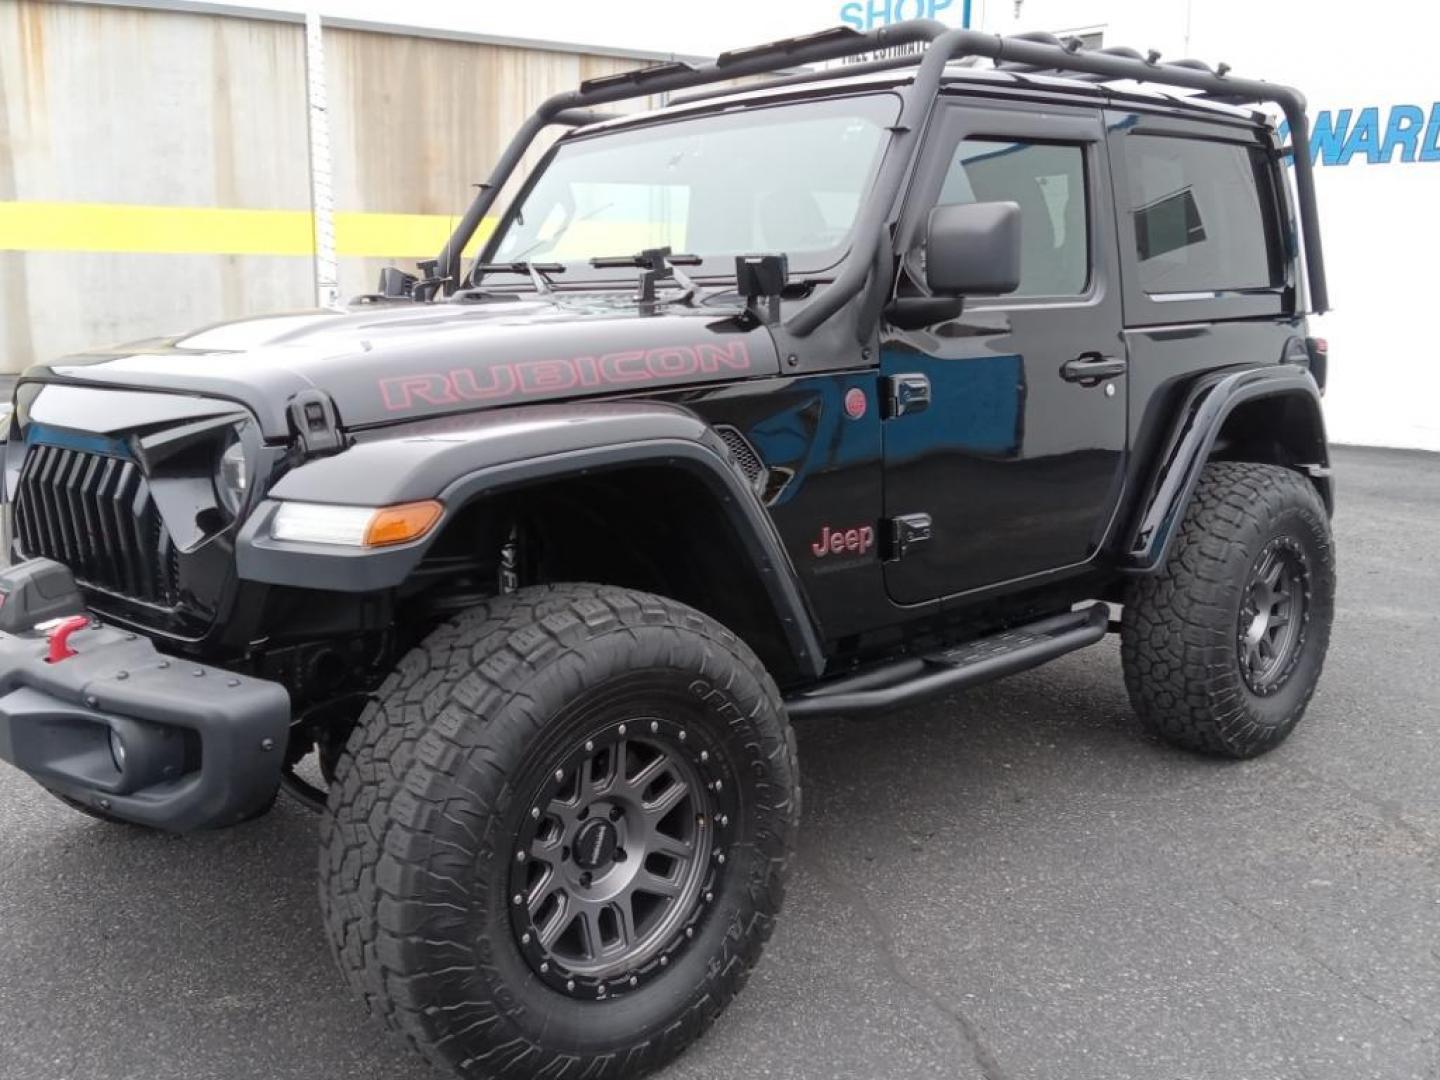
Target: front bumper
[202,747]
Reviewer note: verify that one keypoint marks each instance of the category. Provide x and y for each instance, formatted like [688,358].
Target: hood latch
[315,424]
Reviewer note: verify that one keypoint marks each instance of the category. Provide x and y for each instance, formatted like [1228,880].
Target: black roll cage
[1022,54]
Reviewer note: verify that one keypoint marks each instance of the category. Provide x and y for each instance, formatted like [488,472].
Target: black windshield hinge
[315,424]
[761,280]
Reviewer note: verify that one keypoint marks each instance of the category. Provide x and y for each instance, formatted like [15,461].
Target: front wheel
[557,840]
[1222,648]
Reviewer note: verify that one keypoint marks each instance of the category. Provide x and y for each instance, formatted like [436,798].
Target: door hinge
[905,532]
[315,423]
[905,393]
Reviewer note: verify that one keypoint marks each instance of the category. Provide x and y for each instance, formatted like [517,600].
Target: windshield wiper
[656,265]
[536,271]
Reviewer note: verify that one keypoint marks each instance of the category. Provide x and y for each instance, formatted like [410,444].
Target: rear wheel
[556,842]
[1223,648]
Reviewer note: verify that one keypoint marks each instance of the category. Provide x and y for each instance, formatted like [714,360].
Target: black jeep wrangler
[810,397]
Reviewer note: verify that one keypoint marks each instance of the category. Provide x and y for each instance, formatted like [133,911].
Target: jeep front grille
[94,513]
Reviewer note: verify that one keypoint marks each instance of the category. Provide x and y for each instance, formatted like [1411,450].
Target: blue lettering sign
[1403,131]
[868,14]
[1335,140]
[1328,137]
[1430,148]
[1364,137]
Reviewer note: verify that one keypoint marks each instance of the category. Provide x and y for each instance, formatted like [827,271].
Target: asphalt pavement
[1012,884]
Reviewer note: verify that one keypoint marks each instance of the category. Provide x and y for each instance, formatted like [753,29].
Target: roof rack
[1151,59]
[635,76]
[1025,54]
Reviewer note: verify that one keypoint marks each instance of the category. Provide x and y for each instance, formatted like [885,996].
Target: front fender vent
[766,482]
[743,455]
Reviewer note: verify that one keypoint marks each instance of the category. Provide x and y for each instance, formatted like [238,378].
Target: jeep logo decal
[856,541]
[518,378]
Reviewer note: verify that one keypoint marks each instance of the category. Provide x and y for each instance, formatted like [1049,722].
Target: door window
[1202,215]
[1047,180]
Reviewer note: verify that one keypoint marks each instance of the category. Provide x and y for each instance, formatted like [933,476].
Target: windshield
[784,179]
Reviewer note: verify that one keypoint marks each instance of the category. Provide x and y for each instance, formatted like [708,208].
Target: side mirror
[973,249]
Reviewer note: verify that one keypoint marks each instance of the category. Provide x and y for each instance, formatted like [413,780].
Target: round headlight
[231,478]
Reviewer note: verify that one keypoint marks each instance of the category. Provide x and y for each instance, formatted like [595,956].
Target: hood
[393,362]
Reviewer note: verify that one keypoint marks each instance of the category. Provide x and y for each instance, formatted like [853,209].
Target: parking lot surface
[1013,883]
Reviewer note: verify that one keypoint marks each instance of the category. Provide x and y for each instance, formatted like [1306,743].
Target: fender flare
[460,459]
[1209,402]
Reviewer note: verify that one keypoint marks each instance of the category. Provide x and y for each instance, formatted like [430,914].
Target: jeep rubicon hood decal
[539,379]
[387,364]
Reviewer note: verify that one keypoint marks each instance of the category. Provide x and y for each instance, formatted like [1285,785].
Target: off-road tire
[1181,639]
[420,834]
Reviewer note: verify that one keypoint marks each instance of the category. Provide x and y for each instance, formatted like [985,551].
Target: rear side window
[1203,214]
[1048,182]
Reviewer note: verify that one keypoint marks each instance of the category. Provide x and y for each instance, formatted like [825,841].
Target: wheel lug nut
[544,966]
[589,746]
[664,961]
[525,939]
[622,729]
[518,899]
[709,896]
[720,857]
[519,856]
[704,755]
[535,811]
[634,980]
[683,736]
[559,775]
[570,985]
[689,931]
[654,727]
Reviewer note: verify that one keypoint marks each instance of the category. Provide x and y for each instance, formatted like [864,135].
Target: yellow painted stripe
[209,230]
[419,236]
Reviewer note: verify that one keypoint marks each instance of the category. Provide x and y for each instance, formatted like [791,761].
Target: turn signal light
[354,526]
[399,524]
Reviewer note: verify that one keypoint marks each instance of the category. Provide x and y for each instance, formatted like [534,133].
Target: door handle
[1091,369]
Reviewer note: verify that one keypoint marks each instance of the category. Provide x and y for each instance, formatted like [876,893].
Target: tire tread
[1177,631]
[418,755]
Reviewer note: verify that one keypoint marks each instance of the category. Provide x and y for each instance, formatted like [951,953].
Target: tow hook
[59,637]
